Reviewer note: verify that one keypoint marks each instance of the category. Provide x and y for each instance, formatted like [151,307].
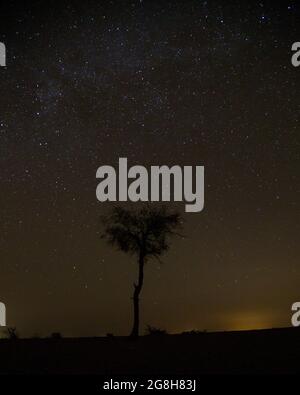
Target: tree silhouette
[144,233]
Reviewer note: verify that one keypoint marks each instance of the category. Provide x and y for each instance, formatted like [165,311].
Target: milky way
[181,82]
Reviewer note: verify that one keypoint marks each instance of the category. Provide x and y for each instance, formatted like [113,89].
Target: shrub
[12,333]
[152,331]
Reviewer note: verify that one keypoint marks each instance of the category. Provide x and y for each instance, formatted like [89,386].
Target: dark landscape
[149,176]
[271,351]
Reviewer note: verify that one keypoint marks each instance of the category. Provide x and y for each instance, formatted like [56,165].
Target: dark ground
[263,351]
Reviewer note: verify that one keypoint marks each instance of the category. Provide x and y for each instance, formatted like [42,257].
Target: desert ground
[261,351]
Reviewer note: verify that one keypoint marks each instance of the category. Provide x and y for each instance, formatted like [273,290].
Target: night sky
[176,82]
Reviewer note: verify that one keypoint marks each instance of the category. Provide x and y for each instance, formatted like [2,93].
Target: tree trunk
[136,294]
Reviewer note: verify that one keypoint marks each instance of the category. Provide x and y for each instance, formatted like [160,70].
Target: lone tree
[145,234]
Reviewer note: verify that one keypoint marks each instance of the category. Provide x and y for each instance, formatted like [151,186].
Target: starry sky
[175,82]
